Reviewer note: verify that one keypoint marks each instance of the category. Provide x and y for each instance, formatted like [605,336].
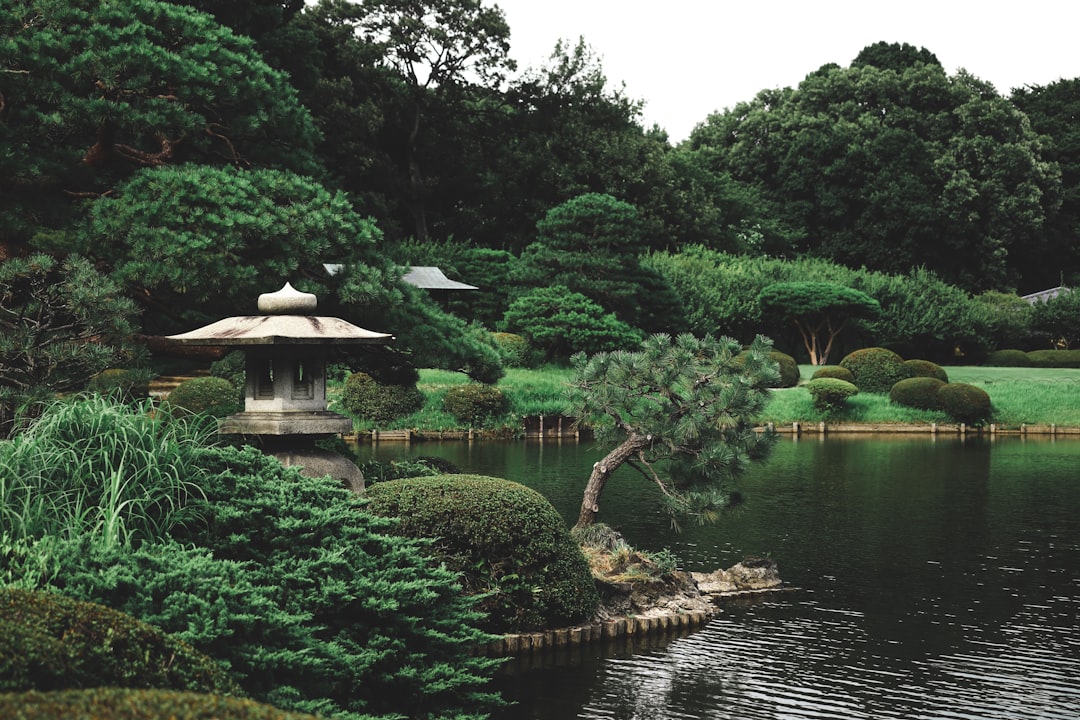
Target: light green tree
[680,411]
[819,310]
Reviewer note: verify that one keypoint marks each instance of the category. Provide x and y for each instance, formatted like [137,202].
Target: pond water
[936,579]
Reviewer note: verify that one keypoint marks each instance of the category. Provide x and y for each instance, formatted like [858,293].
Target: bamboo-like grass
[95,469]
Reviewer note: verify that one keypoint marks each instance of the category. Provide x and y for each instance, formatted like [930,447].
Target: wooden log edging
[613,629]
[823,428]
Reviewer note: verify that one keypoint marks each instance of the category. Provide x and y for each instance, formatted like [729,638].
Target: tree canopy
[817,309]
[680,411]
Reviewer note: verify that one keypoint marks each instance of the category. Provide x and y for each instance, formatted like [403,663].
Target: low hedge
[876,369]
[964,403]
[925,368]
[136,704]
[835,372]
[1054,358]
[917,392]
[212,396]
[365,397]
[475,404]
[510,545]
[1008,358]
[830,394]
[53,642]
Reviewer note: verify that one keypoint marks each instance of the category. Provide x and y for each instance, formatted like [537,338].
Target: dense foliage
[964,403]
[473,404]
[875,369]
[681,411]
[917,392]
[507,540]
[819,310]
[127,704]
[829,393]
[212,396]
[365,397]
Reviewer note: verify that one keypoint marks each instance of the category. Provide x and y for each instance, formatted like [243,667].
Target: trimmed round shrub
[917,392]
[474,403]
[367,398]
[1008,358]
[131,704]
[510,545]
[1054,358]
[925,368]
[964,403]
[513,349]
[876,369]
[830,394]
[126,384]
[52,642]
[788,368]
[211,396]
[833,371]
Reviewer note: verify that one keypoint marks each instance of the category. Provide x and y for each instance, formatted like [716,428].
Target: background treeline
[196,157]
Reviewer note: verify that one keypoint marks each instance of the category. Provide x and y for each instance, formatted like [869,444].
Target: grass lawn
[1019,395]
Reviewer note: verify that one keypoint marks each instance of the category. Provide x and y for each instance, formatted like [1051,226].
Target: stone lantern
[285,351]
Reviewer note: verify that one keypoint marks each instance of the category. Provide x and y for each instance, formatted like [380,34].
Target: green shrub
[876,369]
[1055,358]
[514,349]
[126,384]
[917,392]
[964,403]
[925,368]
[311,601]
[134,704]
[1008,358]
[509,543]
[364,397]
[53,643]
[788,368]
[830,394]
[213,396]
[475,404]
[232,367]
[833,371]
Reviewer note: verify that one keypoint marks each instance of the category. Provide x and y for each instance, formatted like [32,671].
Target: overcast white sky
[688,58]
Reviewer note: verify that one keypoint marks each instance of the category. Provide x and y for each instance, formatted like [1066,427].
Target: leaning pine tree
[680,411]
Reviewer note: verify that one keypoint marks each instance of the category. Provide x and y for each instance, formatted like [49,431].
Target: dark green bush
[789,369]
[876,369]
[507,540]
[213,396]
[917,392]
[475,404]
[127,384]
[925,368]
[379,403]
[833,371]
[1008,358]
[964,403]
[1055,358]
[830,394]
[311,601]
[136,704]
[232,367]
[52,643]
[514,349]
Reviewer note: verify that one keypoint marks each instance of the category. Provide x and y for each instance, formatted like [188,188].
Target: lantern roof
[285,322]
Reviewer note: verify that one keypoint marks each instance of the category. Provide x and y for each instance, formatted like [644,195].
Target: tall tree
[680,411]
[894,165]
[819,310]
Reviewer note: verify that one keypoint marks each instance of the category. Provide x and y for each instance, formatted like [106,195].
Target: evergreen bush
[830,394]
[833,371]
[509,544]
[136,704]
[964,403]
[1008,358]
[475,404]
[213,396]
[367,398]
[925,368]
[513,348]
[52,642]
[788,368]
[232,367]
[876,369]
[917,392]
[1055,358]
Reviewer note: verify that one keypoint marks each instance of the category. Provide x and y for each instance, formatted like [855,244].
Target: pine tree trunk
[590,502]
